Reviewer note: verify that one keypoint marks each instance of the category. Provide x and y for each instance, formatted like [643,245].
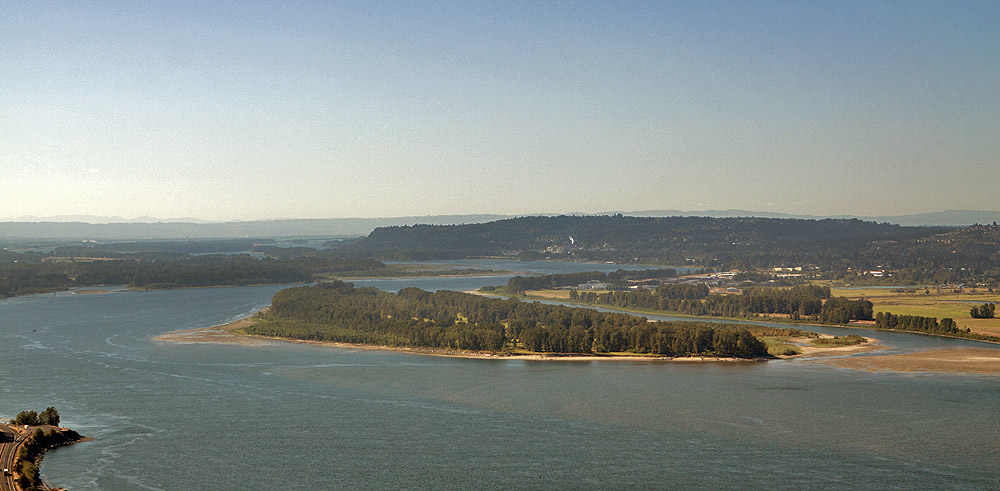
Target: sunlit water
[289,416]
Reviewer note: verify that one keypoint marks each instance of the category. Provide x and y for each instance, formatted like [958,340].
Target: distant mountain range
[95,219]
[85,227]
[304,228]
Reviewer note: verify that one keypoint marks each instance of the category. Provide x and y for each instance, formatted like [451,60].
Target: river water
[290,416]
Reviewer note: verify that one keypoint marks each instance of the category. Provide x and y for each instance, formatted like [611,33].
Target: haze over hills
[95,219]
[333,227]
[71,227]
[949,218]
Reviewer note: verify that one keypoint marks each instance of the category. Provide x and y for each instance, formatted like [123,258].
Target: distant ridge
[950,218]
[86,227]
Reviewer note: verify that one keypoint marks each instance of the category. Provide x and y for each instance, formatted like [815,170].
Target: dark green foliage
[682,291]
[337,311]
[26,418]
[984,311]
[172,271]
[886,320]
[849,340]
[930,325]
[47,417]
[804,301]
[520,284]
[191,274]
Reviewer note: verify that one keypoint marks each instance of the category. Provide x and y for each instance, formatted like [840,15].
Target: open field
[549,294]
[936,302]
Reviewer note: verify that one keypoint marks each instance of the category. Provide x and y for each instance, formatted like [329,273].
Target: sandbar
[979,361]
[808,350]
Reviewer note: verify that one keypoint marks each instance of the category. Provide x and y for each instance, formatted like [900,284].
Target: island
[24,441]
[463,324]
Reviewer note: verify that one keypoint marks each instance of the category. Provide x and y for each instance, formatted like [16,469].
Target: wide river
[291,416]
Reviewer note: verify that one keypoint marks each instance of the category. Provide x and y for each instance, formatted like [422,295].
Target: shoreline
[957,361]
[63,437]
[810,351]
[977,361]
[223,334]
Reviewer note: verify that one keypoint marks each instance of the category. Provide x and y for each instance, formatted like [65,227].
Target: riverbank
[24,468]
[225,334]
[221,334]
[809,351]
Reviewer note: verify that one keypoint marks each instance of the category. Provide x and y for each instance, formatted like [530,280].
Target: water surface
[290,416]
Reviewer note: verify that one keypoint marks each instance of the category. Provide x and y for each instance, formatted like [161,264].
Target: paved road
[10,439]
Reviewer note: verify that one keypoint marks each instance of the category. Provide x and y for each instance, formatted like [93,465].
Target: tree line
[31,274]
[929,325]
[984,311]
[50,416]
[338,311]
[799,302]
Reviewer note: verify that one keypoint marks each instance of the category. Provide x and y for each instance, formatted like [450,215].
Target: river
[292,416]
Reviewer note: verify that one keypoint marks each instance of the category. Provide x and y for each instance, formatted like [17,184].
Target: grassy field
[930,302]
[939,303]
[549,294]
[780,346]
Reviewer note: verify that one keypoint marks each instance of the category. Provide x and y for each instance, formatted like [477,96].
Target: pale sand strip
[980,361]
[222,334]
[810,351]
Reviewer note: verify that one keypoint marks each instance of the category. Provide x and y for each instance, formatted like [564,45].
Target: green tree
[26,418]
[49,417]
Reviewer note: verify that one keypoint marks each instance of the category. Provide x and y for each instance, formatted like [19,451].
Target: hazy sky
[246,110]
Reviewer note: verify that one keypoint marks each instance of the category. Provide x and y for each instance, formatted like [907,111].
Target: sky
[253,110]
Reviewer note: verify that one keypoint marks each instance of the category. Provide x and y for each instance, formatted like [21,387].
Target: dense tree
[799,302]
[175,271]
[26,418]
[49,417]
[984,311]
[337,311]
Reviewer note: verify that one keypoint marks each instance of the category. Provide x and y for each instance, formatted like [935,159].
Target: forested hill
[730,241]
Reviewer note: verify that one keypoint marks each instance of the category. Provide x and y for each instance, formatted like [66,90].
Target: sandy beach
[223,334]
[980,361]
[812,351]
[216,334]
[962,360]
